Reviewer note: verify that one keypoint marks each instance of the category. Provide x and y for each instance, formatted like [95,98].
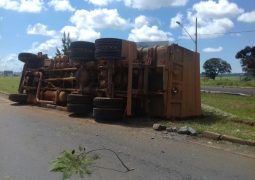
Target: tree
[66,41]
[215,66]
[247,59]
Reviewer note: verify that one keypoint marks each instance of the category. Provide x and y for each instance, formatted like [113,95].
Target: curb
[4,93]
[211,135]
[219,137]
[241,87]
[224,92]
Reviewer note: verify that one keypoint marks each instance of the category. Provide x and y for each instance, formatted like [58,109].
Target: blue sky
[37,25]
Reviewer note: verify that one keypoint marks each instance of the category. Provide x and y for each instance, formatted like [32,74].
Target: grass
[229,81]
[9,84]
[242,107]
[220,113]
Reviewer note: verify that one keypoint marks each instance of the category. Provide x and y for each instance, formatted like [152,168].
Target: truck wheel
[105,102]
[82,51]
[83,109]
[108,108]
[108,114]
[108,49]
[32,61]
[82,44]
[27,57]
[79,99]
[18,98]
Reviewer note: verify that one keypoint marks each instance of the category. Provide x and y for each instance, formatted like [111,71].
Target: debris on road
[158,127]
[187,130]
[183,130]
[192,131]
[171,129]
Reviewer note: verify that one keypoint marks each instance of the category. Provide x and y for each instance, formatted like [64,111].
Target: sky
[224,26]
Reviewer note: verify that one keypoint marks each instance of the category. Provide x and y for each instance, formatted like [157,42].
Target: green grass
[220,113]
[240,106]
[229,81]
[9,84]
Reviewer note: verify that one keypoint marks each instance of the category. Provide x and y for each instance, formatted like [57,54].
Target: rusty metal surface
[61,79]
[158,81]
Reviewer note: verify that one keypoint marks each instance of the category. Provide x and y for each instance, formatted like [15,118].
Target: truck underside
[113,78]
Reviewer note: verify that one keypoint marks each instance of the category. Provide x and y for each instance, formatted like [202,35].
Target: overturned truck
[112,78]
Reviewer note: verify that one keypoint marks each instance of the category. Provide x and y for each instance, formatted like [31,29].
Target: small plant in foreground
[70,163]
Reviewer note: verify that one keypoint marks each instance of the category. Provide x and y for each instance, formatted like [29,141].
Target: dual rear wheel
[79,104]
[103,108]
[110,109]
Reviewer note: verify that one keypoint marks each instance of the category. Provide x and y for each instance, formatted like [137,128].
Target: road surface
[30,137]
[235,90]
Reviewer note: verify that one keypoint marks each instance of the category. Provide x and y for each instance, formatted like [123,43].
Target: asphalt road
[30,137]
[235,90]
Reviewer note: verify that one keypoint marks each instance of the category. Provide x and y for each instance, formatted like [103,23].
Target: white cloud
[9,4]
[177,18]
[11,62]
[248,17]
[50,45]
[214,18]
[141,21]
[40,29]
[83,29]
[72,30]
[46,46]
[31,6]
[100,2]
[98,19]
[61,5]
[143,32]
[89,35]
[211,29]
[142,4]
[212,9]
[152,4]
[81,34]
[212,50]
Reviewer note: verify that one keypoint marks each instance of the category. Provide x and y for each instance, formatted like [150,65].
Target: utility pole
[196,36]
[195,41]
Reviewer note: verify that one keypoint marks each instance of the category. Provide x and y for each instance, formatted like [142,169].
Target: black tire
[108,48]
[79,99]
[84,109]
[82,51]
[109,114]
[82,44]
[105,102]
[32,61]
[18,98]
[27,57]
